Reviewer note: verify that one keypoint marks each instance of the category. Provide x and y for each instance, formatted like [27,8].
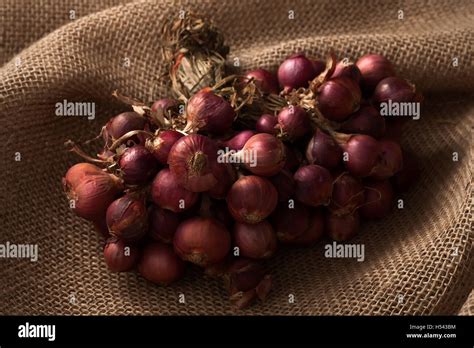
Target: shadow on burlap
[423,252]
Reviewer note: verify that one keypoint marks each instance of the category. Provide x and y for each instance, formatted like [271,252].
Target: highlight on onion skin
[267,124]
[160,265]
[363,153]
[347,195]
[349,70]
[395,89]
[338,98]
[293,122]
[127,218]
[265,81]
[163,224]
[238,141]
[209,112]
[290,223]
[405,178]
[313,185]
[284,184]
[247,281]
[168,194]
[374,68]
[251,199]
[256,241]
[137,165]
[120,257]
[121,124]
[342,227]
[91,189]
[323,150]
[161,144]
[202,241]
[192,160]
[296,71]
[269,154]
[390,160]
[367,120]
[378,199]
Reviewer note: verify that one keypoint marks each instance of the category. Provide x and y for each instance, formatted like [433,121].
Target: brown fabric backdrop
[409,253]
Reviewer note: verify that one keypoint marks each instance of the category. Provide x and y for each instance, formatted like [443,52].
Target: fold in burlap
[418,260]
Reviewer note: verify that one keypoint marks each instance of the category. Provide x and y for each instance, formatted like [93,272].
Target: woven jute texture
[417,261]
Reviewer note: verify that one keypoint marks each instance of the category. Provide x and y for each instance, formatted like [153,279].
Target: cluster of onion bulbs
[164,200]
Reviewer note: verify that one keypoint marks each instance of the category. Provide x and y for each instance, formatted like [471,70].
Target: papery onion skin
[120,257]
[161,144]
[294,122]
[296,71]
[269,153]
[347,195]
[378,201]
[256,241]
[164,105]
[121,124]
[395,89]
[338,98]
[313,185]
[367,120]
[202,241]
[363,152]
[267,124]
[323,150]
[160,265]
[348,70]
[251,199]
[192,160]
[127,218]
[264,80]
[163,224]
[342,227]
[91,189]
[238,141]
[209,112]
[374,68]
[137,165]
[168,194]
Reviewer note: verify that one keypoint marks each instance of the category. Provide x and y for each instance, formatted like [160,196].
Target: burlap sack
[418,260]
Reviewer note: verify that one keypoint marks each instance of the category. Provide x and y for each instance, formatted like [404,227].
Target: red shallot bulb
[390,160]
[161,144]
[202,241]
[192,160]
[349,70]
[290,223]
[374,68]
[347,195]
[314,232]
[313,185]
[363,153]
[284,184]
[256,241]
[395,89]
[121,124]
[168,194]
[163,224]
[323,150]
[137,165]
[367,120]
[378,199]
[296,71]
[226,176]
[119,256]
[238,141]
[294,122]
[209,112]
[338,98]
[91,190]
[267,154]
[160,265]
[267,124]
[342,227]
[127,218]
[164,105]
[251,199]
[264,80]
